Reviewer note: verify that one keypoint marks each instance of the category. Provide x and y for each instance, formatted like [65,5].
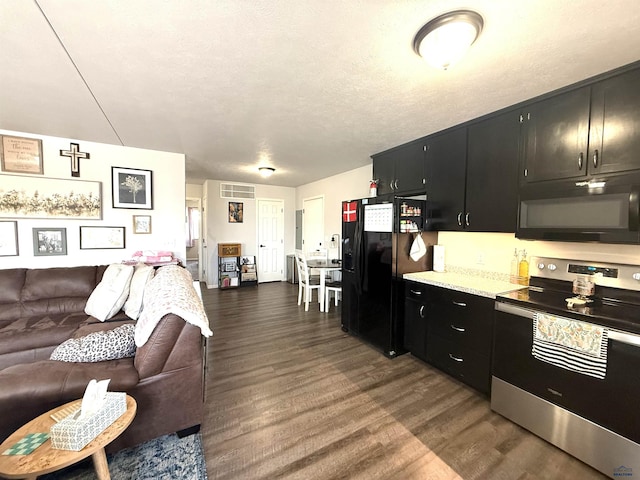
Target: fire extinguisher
[373,188]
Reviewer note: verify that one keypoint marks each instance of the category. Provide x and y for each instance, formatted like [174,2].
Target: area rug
[164,457]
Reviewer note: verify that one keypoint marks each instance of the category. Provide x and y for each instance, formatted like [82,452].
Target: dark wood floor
[289,395]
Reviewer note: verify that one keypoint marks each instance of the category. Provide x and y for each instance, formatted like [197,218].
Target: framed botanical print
[132,188]
[142,224]
[96,238]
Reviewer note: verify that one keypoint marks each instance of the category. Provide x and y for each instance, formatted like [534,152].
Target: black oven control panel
[592,270]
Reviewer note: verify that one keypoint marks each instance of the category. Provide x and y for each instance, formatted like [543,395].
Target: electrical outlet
[480,259]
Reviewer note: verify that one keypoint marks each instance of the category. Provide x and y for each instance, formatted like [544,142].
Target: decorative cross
[75,154]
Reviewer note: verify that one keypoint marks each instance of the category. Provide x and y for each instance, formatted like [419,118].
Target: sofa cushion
[98,346]
[142,274]
[109,296]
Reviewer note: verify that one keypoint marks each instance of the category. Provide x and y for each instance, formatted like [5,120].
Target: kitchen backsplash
[492,252]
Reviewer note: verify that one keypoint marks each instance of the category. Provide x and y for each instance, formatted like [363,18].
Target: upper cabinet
[446,156]
[472,175]
[401,169]
[588,131]
[492,174]
[614,138]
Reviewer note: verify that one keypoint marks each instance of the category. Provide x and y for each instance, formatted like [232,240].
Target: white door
[313,224]
[270,240]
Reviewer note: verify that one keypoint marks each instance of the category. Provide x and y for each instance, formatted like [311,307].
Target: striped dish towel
[577,346]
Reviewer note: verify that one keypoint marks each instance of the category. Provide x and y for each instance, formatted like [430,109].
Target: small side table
[45,459]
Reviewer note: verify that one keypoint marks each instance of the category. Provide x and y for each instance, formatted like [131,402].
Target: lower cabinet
[451,330]
[415,322]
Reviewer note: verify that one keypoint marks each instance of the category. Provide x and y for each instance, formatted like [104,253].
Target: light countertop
[468,282]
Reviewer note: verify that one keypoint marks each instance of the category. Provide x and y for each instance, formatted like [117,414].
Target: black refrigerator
[378,235]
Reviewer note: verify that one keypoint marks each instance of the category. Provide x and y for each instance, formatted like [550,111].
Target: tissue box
[70,434]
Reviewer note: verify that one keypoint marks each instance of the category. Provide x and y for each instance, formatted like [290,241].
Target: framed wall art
[97,238]
[41,197]
[8,238]
[21,155]
[49,241]
[235,212]
[131,188]
[142,224]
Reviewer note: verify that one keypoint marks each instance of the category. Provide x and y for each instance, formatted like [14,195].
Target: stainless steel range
[566,360]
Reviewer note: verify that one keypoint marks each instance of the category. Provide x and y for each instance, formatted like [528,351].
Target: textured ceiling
[310,88]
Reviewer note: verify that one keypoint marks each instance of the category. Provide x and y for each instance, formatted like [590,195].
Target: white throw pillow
[109,296]
[98,346]
[142,274]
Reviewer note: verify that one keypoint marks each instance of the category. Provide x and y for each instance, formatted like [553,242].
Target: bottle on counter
[515,263]
[523,269]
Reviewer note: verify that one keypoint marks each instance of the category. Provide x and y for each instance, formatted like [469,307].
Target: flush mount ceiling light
[266,172]
[444,40]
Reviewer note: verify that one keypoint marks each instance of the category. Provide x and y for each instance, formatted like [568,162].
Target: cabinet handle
[460,219]
[457,359]
[595,159]
[395,184]
[466,219]
[460,304]
[421,311]
[415,292]
[580,161]
[458,329]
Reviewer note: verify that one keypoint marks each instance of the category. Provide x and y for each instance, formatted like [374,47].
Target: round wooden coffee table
[46,459]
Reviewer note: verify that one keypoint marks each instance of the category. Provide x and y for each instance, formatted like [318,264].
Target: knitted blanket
[170,291]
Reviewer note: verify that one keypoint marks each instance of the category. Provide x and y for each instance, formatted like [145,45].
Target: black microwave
[604,210]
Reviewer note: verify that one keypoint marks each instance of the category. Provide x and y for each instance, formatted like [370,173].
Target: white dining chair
[305,281]
[334,287]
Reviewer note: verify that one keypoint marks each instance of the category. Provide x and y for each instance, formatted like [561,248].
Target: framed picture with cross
[75,155]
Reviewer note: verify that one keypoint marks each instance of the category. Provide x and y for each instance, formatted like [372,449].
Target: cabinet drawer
[416,291]
[470,367]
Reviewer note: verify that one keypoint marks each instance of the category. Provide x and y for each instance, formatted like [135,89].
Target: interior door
[270,240]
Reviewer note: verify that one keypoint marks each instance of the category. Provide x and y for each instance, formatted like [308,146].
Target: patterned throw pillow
[98,346]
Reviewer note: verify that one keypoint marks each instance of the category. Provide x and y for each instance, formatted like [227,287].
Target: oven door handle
[513,310]
[624,337]
[615,335]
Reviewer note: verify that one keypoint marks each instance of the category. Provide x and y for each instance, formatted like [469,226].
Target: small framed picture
[98,238]
[132,188]
[21,155]
[49,241]
[8,238]
[235,212]
[142,224]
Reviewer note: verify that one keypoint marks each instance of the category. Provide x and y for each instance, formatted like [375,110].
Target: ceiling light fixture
[444,40]
[266,172]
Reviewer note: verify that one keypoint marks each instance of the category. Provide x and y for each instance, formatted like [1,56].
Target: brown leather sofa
[41,308]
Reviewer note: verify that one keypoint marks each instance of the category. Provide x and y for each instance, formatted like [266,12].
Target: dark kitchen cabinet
[472,175]
[614,138]
[491,202]
[446,156]
[401,169]
[459,335]
[415,322]
[588,131]
[555,136]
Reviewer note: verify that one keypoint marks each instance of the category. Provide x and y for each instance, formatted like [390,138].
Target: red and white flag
[349,211]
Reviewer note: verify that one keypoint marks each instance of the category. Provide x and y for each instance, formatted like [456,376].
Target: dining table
[324,267]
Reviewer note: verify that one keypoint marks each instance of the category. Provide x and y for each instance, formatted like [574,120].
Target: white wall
[167,216]
[219,230]
[345,186]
